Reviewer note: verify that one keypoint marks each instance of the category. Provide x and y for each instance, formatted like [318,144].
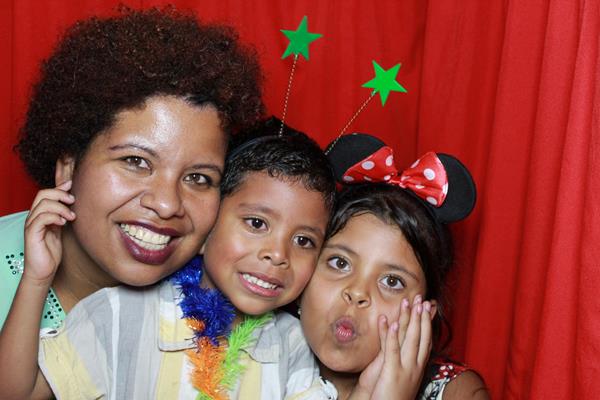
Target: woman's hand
[43,246]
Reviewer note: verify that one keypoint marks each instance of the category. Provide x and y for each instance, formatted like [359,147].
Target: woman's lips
[148,253]
[344,330]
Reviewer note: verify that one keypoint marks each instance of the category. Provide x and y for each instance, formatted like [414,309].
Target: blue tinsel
[207,305]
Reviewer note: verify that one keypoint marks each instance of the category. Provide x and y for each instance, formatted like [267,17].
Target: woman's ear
[65,166]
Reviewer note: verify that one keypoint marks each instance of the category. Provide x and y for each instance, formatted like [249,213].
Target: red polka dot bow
[426,177]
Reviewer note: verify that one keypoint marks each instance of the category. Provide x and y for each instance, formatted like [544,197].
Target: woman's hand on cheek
[406,350]
[43,246]
[370,375]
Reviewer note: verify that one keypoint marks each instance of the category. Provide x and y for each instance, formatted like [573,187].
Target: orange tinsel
[207,373]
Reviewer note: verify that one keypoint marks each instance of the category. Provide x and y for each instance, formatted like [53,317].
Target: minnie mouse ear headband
[441,181]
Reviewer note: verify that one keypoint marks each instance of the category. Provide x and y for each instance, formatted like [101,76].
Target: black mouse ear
[347,150]
[461,196]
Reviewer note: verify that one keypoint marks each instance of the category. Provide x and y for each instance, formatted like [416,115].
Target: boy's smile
[265,243]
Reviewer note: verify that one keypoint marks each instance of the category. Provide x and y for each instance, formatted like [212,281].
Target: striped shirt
[128,343]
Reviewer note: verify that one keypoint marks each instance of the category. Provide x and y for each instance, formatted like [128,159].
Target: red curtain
[510,87]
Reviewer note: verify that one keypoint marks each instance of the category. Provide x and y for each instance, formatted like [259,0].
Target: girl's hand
[43,247]
[406,347]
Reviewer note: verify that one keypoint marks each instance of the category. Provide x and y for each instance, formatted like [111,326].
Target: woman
[130,117]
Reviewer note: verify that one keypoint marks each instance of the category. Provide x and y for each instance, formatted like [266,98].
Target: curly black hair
[106,65]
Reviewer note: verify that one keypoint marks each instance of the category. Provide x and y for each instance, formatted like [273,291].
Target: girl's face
[364,271]
[146,192]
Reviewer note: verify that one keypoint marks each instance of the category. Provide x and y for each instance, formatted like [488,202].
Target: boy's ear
[65,167]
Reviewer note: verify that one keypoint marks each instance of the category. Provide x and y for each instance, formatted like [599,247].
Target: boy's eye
[137,162]
[198,179]
[338,263]
[392,282]
[255,223]
[305,242]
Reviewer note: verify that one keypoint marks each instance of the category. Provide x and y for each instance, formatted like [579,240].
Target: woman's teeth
[259,282]
[145,238]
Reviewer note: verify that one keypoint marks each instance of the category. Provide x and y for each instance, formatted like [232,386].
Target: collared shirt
[128,343]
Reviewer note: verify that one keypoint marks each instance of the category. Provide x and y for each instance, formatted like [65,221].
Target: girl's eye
[338,263]
[304,242]
[137,162]
[256,223]
[199,179]
[392,282]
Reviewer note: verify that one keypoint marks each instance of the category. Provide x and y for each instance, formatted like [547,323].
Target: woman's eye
[255,223]
[137,162]
[338,263]
[392,282]
[305,242]
[199,179]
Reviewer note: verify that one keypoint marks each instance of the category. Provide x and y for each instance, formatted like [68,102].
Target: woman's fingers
[403,320]
[47,205]
[59,193]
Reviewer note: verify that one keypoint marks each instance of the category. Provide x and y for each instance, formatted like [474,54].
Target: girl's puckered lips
[344,330]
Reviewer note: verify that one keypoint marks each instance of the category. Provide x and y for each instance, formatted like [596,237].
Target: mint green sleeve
[11,259]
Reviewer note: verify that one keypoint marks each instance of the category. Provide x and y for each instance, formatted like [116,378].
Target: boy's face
[264,246]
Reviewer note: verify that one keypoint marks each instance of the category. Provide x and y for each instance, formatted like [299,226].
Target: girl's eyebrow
[343,248]
[404,270]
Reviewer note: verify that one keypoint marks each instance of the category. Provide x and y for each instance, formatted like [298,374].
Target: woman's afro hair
[105,65]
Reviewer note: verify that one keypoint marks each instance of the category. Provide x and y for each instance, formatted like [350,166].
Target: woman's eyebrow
[135,146]
[343,248]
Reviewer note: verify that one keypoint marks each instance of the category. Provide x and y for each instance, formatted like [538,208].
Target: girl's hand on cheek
[370,375]
[406,351]
[43,246]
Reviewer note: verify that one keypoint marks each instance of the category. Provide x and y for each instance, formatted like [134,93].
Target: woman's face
[146,191]
[364,271]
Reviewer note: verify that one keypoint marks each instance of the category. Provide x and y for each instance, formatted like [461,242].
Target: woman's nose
[164,198]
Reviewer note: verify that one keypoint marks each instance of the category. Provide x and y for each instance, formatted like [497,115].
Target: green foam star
[384,82]
[299,39]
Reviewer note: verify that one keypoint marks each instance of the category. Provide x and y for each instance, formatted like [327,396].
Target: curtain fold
[512,88]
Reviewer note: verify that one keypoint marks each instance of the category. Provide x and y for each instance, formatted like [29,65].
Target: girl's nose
[164,198]
[357,296]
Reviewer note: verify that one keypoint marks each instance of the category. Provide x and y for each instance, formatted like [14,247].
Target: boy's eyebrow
[269,211]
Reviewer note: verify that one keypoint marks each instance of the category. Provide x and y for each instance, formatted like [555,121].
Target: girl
[387,248]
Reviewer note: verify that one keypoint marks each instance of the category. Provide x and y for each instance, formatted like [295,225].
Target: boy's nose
[275,252]
[164,198]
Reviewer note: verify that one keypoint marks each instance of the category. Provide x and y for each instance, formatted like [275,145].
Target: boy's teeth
[259,282]
[145,237]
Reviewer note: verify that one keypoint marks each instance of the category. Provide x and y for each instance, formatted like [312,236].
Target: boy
[129,342]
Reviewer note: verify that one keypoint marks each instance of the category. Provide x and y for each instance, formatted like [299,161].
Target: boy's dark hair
[105,65]
[292,156]
[430,240]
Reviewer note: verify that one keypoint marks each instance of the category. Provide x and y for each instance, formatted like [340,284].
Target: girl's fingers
[403,320]
[410,347]
[59,193]
[425,341]
[383,331]
[50,206]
